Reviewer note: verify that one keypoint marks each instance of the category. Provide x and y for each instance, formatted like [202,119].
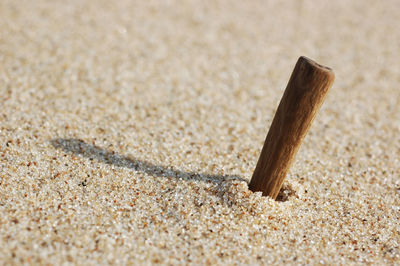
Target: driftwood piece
[304,95]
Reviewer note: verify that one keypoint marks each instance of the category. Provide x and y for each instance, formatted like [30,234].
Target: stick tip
[308,66]
[315,65]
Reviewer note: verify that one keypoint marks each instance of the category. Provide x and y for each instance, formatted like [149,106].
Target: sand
[129,131]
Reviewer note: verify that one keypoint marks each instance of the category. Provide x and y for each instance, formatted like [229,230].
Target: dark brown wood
[304,94]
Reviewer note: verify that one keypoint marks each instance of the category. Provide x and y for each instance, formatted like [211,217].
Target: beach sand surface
[130,129]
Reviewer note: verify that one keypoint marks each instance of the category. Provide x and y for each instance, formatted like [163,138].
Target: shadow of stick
[79,147]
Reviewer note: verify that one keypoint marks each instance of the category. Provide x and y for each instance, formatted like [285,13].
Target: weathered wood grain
[304,95]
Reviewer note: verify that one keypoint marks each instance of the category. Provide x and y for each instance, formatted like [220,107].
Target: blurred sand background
[129,131]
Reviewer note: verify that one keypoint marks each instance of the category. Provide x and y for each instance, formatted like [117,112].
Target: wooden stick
[303,97]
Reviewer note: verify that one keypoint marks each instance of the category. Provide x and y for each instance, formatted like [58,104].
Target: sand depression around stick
[303,97]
